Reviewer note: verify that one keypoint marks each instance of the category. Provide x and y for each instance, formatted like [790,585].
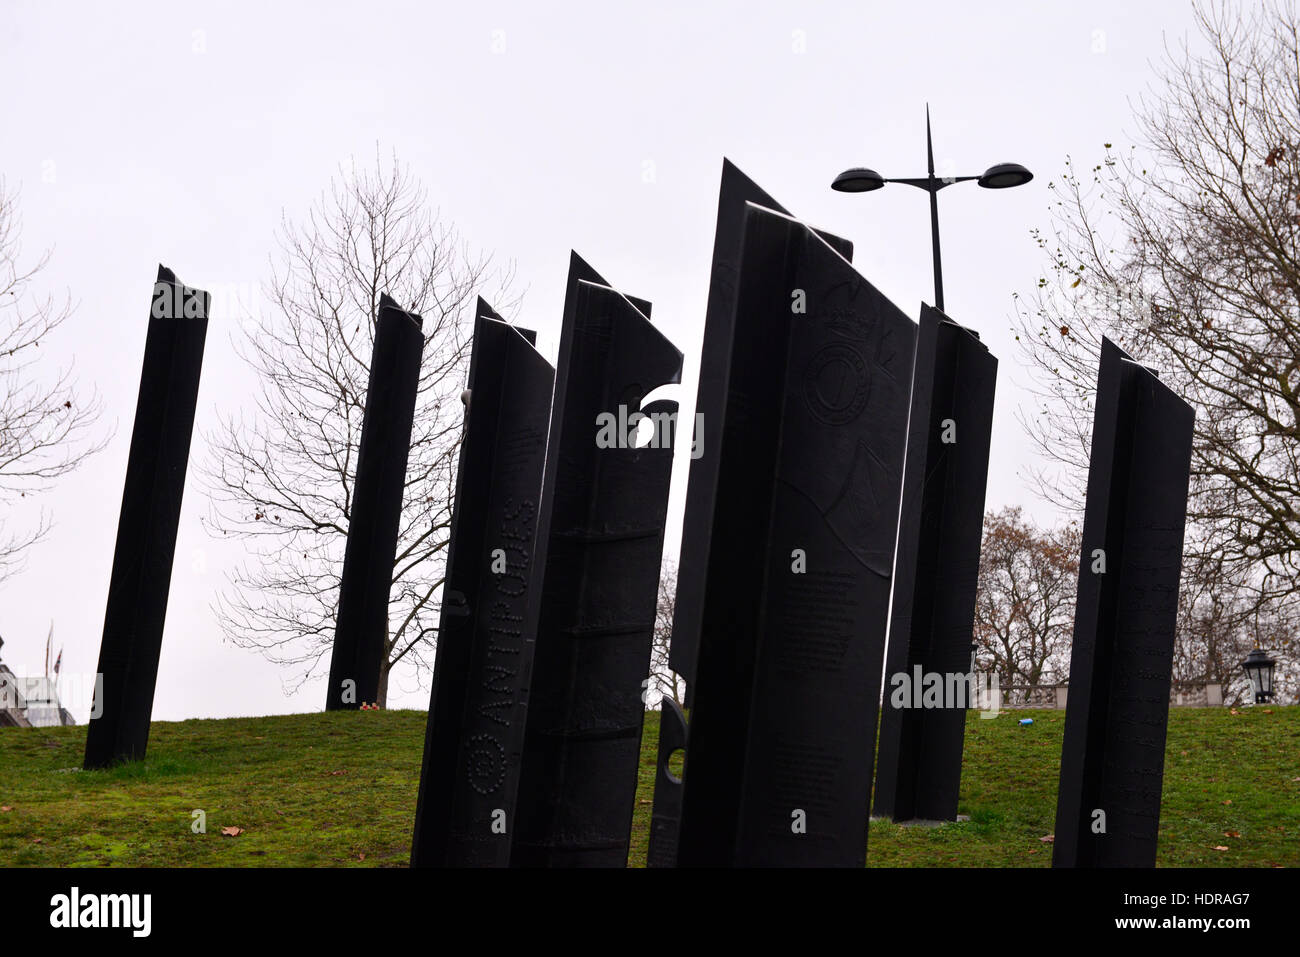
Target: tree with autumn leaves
[1024,608]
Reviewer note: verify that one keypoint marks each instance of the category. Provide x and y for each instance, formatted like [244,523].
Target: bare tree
[282,476]
[45,425]
[1024,607]
[1182,248]
[1219,624]
[665,681]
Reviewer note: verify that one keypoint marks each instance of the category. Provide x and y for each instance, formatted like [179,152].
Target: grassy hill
[332,790]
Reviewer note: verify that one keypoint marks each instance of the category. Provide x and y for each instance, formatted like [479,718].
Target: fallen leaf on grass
[231,831]
[38,840]
[1232,834]
[645,802]
[6,807]
[337,773]
[1220,847]
[1049,839]
[361,856]
[1229,801]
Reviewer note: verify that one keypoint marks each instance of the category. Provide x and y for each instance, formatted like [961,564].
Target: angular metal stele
[362,626]
[720,319]
[146,528]
[918,767]
[475,734]
[596,578]
[1113,753]
[778,771]
[721,323]
[666,819]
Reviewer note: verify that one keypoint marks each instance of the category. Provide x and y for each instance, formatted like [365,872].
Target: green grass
[334,790]
[1225,775]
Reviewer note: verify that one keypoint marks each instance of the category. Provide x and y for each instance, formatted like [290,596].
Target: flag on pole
[58,663]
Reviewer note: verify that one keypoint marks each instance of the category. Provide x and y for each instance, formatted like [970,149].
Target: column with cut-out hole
[596,580]
[361,630]
[146,530]
[918,766]
[1113,752]
[796,597]
[475,734]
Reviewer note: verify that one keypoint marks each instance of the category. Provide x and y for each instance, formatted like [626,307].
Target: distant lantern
[1259,669]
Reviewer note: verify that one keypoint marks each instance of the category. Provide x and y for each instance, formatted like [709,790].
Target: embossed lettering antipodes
[478,707]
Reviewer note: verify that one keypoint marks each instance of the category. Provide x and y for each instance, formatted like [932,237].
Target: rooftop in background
[30,702]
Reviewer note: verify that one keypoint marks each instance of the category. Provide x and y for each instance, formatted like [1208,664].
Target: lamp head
[1004,176]
[1259,669]
[858,180]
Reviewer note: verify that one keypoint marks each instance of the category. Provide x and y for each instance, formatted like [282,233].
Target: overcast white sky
[179,133]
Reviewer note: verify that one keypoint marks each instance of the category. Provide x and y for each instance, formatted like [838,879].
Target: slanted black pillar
[721,323]
[596,568]
[1113,753]
[778,771]
[918,768]
[373,525]
[666,819]
[146,527]
[474,740]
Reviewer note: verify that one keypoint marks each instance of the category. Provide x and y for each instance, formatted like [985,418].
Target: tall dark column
[475,736]
[600,540]
[721,323]
[362,626]
[778,771]
[666,819]
[918,769]
[146,527]
[1113,753]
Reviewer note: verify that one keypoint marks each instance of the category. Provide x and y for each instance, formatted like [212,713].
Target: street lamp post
[999,176]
